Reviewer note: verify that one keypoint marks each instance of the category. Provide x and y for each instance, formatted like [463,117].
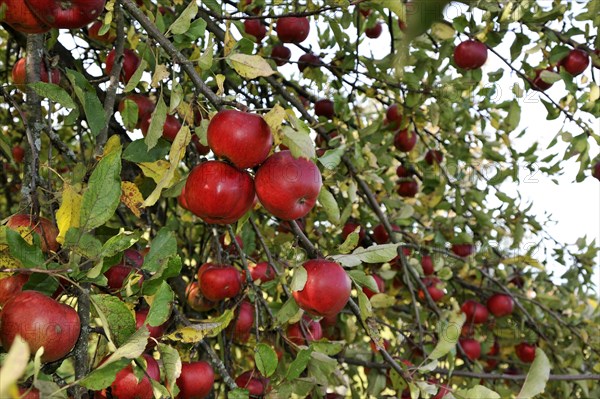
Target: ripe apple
[471,347]
[243,138]
[324,276]
[374,31]
[40,321]
[127,386]
[288,187]
[349,227]
[365,12]
[596,170]
[324,107]
[254,27]
[434,156]
[152,368]
[427,265]
[462,249]
[476,313]
[18,154]
[219,193]
[218,282]
[500,305]
[242,325]
[292,29]
[525,352]
[25,225]
[392,115]
[281,54]
[108,37]
[18,15]
[434,287]
[117,274]
[19,73]
[312,330]
[196,380]
[575,62]
[196,300]
[494,351]
[29,393]
[155,331]
[201,149]
[73,14]
[380,285]
[262,271]
[408,188]
[145,107]
[170,128]
[380,234]
[254,382]
[538,83]
[308,60]
[131,62]
[402,171]
[405,141]
[11,286]
[470,54]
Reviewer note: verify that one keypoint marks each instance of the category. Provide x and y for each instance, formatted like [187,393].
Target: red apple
[380,234]
[471,347]
[155,331]
[380,285]
[596,170]
[25,225]
[312,330]
[462,249]
[281,54]
[500,305]
[242,325]
[29,393]
[117,274]
[434,156]
[324,107]
[408,188]
[40,321]
[18,154]
[170,128]
[200,148]
[538,83]
[525,352]
[152,368]
[254,382]
[434,287]
[196,300]
[18,15]
[219,193]
[196,380]
[73,14]
[127,386]
[374,31]
[11,286]
[145,107]
[402,171]
[254,27]
[494,351]
[327,288]
[392,115]
[19,73]
[131,62]
[470,54]
[108,37]
[476,313]
[292,29]
[427,265]
[349,227]
[262,271]
[575,62]
[308,60]
[288,187]
[218,282]
[405,141]
[243,138]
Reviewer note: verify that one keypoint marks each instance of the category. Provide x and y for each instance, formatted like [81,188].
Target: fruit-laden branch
[290,14]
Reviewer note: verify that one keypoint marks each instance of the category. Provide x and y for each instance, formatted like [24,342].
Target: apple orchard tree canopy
[241,199]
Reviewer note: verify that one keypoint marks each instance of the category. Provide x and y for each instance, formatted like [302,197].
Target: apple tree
[294,199]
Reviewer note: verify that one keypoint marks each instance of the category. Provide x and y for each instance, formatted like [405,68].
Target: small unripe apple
[131,62]
[311,328]
[500,305]
[470,54]
[254,27]
[281,54]
[471,347]
[405,140]
[575,62]
[476,313]
[374,31]
[292,29]
[325,108]
[525,352]
[218,282]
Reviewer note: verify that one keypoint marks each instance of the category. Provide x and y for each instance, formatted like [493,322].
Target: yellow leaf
[113,144]
[275,117]
[220,84]
[229,42]
[206,328]
[68,213]
[13,366]
[528,260]
[154,170]
[8,262]
[131,197]
[161,72]
[250,66]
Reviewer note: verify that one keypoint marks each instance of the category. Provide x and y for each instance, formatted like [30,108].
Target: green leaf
[28,255]
[54,92]
[119,318]
[84,244]
[321,367]
[249,66]
[299,143]
[163,247]
[448,334]
[351,242]
[137,151]
[130,114]
[332,158]
[171,363]
[537,377]
[238,393]
[136,77]
[102,197]
[298,365]
[382,301]
[160,305]
[157,121]
[363,280]
[366,310]
[299,279]
[514,116]
[287,311]
[477,392]
[92,107]
[374,254]
[183,23]
[327,200]
[265,359]
[120,242]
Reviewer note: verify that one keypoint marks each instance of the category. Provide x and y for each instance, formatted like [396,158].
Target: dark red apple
[494,351]
[29,393]
[40,321]
[254,382]
[402,171]
[131,62]
[196,299]
[500,305]
[427,265]
[117,274]
[254,27]
[405,140]
[312,330]
[152,368]
[538,83]
[327,288]
[434,287]
[19,73]
[218,282]
[349,227]
[242,325]
[476,313]
[462,249]
[155,331]
[219,193]
[374,31]
[18,15]
[18,154]
[72,14]
[201,149]
[127,386]
[288,187]
[26,225]
[170,128]
[408,188]
[262,271]
[11,286]
[575,62]
[434,156]
[380,234]
[196,380]
[292,29]
[392,115]
[525,352]
[243,138]
[108,37]
[145,107]
[471,347]
[281,54]
[380,285]
[596,170]
[470,54]
[324,107]
[308,60]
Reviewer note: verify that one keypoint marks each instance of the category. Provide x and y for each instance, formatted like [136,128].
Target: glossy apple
[476,313]
[262,271]
[327,288]
[73,14]
[40,321]
[219,193]
[107,37]
[434,287]
[427,265]
[281,54]
[405,140]
[218,282]
[324,107]
[242,325]
[18,15]
[19,73]
[243,138]
[25,225]
[374,31]
[310,328]
[470,54]
[380,285]
[308,60]
[131,62]
[254,382]
[500,305]
[575,62]
[127,386]
[18,154]
[254,27]
[471,347]
[196,380]
[408,188]
[288,187]
[11,286]
[155,331]
[170,128]
[145,106]
[434,156]
[196,299]
[292,29]
[525,352]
